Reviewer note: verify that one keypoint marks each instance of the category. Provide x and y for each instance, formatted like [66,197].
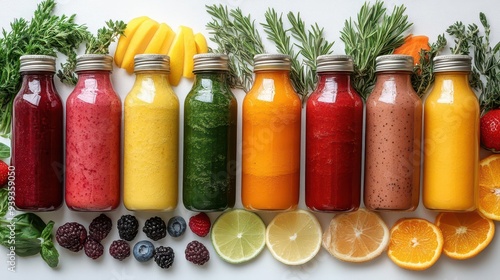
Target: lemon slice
[294,237]
[238,235]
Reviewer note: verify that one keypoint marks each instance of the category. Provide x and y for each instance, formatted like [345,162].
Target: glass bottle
[151,137]
[334,124]
[37,137]
[210,118]
[393,131]
[271,137]
[451,137]
[93,119]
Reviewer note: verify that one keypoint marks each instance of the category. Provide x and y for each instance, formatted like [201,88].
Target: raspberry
[164,257]
[71,236]
[93,249]
[155,228]
[100,227]
[4,173]
[119,249]
[127,227]
[200,224]
[197,253]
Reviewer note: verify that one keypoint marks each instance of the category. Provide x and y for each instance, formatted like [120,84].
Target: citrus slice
[465,234]
[489,187]
[357,236]
[415,244]
[294,237]
[238,235]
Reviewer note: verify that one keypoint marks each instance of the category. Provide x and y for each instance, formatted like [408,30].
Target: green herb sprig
[373,34]
[423,72]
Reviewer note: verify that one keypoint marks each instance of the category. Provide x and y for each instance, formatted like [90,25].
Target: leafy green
[4,151]
[423,72]
[48,250]
[4,201]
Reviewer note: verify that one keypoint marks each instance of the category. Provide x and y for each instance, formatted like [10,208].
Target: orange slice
[465,234]
[489,187]
[415,244]
[358,236]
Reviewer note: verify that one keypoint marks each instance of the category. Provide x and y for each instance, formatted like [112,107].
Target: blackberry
[119,249]
[155,228]
[71,236]
[127,227]
[93,249]
[164,257]
[176,226]
[197,253]
[100,227]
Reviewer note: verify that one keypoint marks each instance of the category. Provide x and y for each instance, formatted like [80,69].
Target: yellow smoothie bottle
[451,138]
[151,138]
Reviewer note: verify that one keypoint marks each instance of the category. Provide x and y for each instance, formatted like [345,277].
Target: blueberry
[176,226]
[144,251]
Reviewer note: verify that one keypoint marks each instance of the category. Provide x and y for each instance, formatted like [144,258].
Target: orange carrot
[413,45]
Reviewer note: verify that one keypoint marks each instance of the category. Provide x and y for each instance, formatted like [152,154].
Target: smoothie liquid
[151,138]
[393,131]
[37,137]
[93,120]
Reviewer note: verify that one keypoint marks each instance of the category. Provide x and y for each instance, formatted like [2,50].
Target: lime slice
[238,235]
[294,237]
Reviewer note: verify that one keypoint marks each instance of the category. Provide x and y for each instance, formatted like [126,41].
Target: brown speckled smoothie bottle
[393,130]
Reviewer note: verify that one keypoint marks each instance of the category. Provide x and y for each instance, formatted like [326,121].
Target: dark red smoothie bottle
[37,137]
[334,123]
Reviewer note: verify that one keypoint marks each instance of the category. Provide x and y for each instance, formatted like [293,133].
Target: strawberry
[200,224]
[4,173]
[490,130]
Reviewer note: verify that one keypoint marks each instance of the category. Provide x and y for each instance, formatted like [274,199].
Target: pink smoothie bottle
[93,119]
[37,137]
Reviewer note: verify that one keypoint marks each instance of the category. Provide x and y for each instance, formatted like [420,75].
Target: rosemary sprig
[374,33]
[235,35]
[423,72]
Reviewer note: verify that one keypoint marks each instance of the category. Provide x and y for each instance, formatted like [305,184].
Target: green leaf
[50,254]
[29,225]
[4,202]
[27,246]
[47,232]
[4,151]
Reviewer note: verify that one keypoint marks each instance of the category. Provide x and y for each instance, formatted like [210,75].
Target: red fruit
[4,173]
[200,224]
[490,130]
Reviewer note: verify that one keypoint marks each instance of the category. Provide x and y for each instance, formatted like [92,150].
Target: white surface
[429,17]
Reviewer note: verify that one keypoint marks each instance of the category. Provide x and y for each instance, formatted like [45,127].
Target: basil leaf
[29,225]
[27,246]
[49,254]
[4,202]
[4,151]
[47,232]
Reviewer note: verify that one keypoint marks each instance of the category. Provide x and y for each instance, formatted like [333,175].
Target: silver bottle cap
[210,61]
[394,62]
[152,62]
[272,62]
[40,63]
[87,62]
[334,63]
[452,62]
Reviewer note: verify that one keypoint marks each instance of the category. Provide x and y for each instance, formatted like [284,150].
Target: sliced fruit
[139,42]
[238,235]
[201,43]
[358,236]
[189,52]
[413,45]
[415,244]
[489,187]
[465,234]
[156,42]
[294,237]
[176,54]
[165,47]
[125,39]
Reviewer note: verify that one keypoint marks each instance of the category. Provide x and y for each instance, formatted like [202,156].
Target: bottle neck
[95,79]
[279,76]
[339,79]
[458,78]
[38,82]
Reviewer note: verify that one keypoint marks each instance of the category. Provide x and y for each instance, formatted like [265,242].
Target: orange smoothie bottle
[451,138]
[271,137]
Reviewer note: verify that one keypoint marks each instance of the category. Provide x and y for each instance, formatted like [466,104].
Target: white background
[429,17]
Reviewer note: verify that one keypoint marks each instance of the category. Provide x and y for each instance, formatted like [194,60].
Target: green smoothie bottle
[210,117]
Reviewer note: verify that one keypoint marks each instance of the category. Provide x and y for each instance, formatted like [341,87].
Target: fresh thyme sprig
[374,33]
[235,35]
[485,76]
[423,72]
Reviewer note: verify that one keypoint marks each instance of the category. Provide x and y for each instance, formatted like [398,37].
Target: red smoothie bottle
[334,123]
[37,137]
[93,119]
